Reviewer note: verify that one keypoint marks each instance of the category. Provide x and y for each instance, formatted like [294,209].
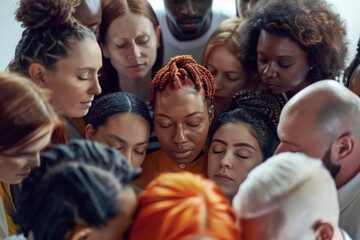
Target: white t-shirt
[174,47]
[349,201]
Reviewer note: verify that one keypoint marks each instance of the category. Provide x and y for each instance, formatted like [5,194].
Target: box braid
[50,31]
[79,183]
[183,71]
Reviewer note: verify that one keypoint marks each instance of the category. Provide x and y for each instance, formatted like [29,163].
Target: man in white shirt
[323,121]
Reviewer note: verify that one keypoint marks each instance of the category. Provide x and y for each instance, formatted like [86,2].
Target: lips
[183,153]
[136,65]
[24,175]
[87,103]
[270,85]
[223,178]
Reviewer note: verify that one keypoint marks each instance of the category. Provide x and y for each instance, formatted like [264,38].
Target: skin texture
[233,153]
[188,19]
[132,50]
[89,14]
[282,65]
[354,85]
[299,131]
[181,123]
[128,133]
[74,82]
[17,162]
[229,76]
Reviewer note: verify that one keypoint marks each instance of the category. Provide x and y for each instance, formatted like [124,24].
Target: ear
[343,147]
[158,35]
[37,74]
[80,233]
[211,113]
[323,231]
[90,132]
[105,50]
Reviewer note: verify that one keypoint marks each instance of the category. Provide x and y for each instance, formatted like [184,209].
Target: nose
[281,148]
[134,52]
[218,82]
[34,161]
[226,161]
[180,135]
[270,70]
[126,153]
[95,88]
[188,8]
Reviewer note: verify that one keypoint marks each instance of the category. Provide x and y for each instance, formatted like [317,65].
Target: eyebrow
[235,145]
[280,56]
[187,116]
[88,68]
[119,139]
[94,24]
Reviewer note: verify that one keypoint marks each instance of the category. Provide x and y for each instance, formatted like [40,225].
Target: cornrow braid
[265,103]
[351,68]
[79,183]
[181,71]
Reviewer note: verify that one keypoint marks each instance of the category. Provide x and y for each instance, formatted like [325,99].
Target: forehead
[170,4]
[236,132]
[129,122]
[138,23]
[179,102]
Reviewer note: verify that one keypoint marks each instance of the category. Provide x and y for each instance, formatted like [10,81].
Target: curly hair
[183,71]
[310,23]
[353,65]
[181,205]
[78,183]
[50,31]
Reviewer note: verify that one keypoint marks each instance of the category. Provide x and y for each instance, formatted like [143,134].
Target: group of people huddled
[121,122]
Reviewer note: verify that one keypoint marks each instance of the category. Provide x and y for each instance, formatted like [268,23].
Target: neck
[140,86]
[294,91]
[347,173]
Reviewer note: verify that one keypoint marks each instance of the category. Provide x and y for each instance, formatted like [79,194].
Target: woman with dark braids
[80,191]
[58,53]
[181,93]
[293,43]
[352,73]
[243,138]
[121,120]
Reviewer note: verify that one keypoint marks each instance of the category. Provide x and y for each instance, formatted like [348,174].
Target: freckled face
[233,153]
[282,65]
[181,123]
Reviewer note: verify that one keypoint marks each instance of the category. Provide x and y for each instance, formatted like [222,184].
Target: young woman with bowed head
[58,53]
[184,206]
[293,44]
[220,57]
[81,191]
[242,138]
[121,120]
[181,94]
[26,125]
[131,40]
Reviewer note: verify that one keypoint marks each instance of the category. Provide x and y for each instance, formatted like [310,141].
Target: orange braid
[183,71]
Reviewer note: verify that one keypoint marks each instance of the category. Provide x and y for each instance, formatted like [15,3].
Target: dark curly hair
[78,183]
[50,31]
[353,65]
[261,112]
[310,23]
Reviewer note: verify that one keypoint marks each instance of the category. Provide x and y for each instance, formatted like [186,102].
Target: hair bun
[39,13]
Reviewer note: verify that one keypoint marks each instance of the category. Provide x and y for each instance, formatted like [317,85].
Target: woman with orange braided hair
[184,206]
[181,94]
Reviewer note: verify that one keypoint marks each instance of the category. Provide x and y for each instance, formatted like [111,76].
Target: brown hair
[24,109]
[113,9]
[181,71]
[50,31]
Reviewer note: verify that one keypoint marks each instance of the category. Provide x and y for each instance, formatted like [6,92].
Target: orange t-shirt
[158,162]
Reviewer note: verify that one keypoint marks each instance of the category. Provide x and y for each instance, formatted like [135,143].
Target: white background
[10,29]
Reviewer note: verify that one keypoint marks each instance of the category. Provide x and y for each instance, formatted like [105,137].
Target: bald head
[89,14]
[321,121]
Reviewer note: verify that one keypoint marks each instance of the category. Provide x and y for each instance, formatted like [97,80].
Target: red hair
[182,205]
[180,72]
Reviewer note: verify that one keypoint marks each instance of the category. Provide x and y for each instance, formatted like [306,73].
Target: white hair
[300,187]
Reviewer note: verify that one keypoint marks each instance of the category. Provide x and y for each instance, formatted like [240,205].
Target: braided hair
[261,112]
[50,32]
[183,71]
[351,68]
[115,103]
[77,183]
